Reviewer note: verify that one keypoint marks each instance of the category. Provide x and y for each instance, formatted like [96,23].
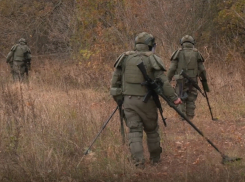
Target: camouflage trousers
[188,103]
[19,69]
[141,117]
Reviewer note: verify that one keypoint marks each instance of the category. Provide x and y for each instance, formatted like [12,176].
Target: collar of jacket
[187,45]
[141,47]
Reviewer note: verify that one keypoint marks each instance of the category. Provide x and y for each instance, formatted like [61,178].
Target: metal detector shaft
[210,110]
[183,116]
[194,83]
[121,113]
[101,130]
[225,159]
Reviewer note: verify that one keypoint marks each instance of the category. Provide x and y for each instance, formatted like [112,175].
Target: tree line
[84,27]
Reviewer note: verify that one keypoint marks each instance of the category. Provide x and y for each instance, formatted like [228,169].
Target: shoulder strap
[120,58]
[157,63]
[14,47]
[175,54]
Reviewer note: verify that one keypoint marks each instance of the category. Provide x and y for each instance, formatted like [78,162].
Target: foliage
[231,20]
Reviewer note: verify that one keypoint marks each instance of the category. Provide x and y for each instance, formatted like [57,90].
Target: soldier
[19,59]
[127,90]
[190,60]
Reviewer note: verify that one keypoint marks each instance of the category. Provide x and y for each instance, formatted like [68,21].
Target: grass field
[47,125]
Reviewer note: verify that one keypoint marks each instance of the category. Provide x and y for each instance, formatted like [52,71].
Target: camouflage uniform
[190,60]
[126,86]
[19,59]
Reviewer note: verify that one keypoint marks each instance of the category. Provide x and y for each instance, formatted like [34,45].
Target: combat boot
[155,156]
[190,117]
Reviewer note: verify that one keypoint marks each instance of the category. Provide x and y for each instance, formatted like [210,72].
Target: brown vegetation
[46,125]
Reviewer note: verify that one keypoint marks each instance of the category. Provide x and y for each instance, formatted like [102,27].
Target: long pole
[103,127]
[186,119]
[210,110]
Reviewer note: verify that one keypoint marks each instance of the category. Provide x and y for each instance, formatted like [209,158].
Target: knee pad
[190,106]
[135,137]
[192,98]
[136,147]
[153,142]
[153,136]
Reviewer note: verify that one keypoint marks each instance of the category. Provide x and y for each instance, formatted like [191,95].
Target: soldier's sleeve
[157,63]
[159,73]
[173,65]
[116,81]
[168,90]
[202,71]
[199,57]
[28,54]
[201,67]
[172,69]
[11,53]
[9,57]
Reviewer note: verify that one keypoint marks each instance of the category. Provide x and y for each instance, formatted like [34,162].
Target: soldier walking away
[189,60]
[128,90]
[19,59]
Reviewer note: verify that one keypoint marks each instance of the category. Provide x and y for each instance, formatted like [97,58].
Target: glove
[205,86]
[118,99]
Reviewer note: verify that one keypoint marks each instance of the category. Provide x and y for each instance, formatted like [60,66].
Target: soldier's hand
[178,101]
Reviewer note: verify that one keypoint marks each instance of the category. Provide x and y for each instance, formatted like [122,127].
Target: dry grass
[47,125]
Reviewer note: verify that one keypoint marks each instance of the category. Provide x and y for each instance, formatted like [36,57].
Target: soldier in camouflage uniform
[190,60]
[19,59]
[127,89]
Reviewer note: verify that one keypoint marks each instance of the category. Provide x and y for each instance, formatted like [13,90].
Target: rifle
[154,95]
[158,104]
[103,127]
[156,85]
[194,83]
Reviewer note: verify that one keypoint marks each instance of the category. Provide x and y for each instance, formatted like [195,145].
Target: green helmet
[145,38]
[187,38]
[22,40]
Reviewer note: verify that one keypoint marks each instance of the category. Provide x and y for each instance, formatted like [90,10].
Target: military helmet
[145,38]
[22,40]
[187,38]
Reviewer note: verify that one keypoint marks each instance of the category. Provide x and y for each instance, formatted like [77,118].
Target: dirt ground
[187,156]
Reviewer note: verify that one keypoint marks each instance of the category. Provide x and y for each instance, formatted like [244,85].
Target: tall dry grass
[47,124]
